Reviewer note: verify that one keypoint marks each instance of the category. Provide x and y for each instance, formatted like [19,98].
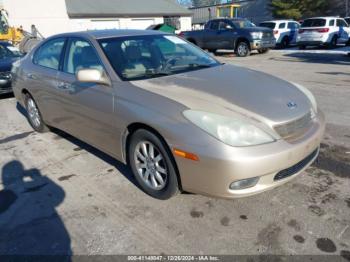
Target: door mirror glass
[93,76]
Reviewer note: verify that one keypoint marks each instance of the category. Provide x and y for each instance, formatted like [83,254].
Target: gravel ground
[61,196]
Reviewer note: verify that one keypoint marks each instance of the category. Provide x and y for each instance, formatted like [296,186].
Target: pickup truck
[238,34]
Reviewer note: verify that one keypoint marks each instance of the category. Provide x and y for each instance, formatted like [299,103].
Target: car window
[314,22]
[143,57]
[282,25]
[49,54]
[331,22]
[270,25]
[341,22]
[224,25]
[214,25]
[292,25]
[81,55]
[243,24]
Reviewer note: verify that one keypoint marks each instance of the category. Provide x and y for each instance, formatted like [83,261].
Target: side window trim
[36,52]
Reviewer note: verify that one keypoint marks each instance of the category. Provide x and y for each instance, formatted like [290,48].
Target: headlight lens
[309,95]
[256,35]
[232,132]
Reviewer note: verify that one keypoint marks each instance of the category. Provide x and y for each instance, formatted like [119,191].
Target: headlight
[230,131]
[309,95]
[256,35]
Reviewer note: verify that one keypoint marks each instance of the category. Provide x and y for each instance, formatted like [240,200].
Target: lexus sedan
[182,120]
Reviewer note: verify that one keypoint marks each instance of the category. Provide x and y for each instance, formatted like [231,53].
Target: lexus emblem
[292,105]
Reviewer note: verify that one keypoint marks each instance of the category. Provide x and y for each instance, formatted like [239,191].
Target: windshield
[243,23]
[268,25]
[143,57]
[314,23]
[8,51]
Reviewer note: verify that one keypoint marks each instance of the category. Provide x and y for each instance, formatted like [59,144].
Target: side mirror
[93,76]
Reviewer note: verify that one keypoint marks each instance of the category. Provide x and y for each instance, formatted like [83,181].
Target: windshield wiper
[199,65]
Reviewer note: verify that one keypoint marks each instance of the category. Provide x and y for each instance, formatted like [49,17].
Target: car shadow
[315,58]
[123,169]
[6,96]
[29,222]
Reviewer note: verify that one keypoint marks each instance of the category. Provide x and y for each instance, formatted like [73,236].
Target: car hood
[230,88]
[6,63]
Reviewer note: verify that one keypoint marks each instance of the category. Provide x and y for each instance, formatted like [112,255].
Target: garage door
[140,23]
[104,24]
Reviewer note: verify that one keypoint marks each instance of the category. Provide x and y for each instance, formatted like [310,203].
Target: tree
[288,9]
[296,9]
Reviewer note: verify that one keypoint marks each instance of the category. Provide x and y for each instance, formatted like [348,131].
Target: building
[254,10]
[57,16]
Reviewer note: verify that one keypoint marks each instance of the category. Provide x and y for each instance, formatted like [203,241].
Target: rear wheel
[334,42]
[242,49]
[152,165]
[34,115]
[285,42]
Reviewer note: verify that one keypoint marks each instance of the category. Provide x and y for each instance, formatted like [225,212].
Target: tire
[147,167]
[34,116]
[285,43]
[242,49]
[263,51]
[334,42]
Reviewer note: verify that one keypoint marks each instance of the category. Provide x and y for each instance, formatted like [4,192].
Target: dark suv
[238,34]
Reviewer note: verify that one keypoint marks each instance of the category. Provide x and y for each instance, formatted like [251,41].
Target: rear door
[210,35]
[41,77]
[293,28]
[88,107]
[343,31]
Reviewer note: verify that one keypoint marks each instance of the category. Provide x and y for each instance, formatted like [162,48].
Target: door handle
[64,86]
[31,76]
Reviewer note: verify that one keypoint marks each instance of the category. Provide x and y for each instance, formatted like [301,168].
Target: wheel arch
[131,129]
[242,39]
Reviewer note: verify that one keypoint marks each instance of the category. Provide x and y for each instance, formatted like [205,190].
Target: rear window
[316,22]
[268,25]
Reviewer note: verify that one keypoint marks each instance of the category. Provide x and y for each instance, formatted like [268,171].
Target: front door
[88,107]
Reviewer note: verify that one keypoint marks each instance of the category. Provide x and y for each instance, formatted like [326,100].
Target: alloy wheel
[33,112]
[151,165]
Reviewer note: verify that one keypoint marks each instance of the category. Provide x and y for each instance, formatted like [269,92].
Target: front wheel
[152,165]
[242,49]
[34,115]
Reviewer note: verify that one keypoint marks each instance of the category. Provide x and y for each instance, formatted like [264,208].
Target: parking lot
[61,196]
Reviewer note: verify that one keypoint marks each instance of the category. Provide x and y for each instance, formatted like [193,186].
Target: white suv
[328,31]
[285,31]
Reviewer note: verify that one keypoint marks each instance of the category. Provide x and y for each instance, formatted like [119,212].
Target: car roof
[100,34]
[279,21]
[324,17]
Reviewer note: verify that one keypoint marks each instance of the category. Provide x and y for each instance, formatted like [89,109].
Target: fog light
[245,183]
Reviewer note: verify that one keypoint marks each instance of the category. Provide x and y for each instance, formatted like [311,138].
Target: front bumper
[310,43]
[220,165]
[5,86]
[263,44]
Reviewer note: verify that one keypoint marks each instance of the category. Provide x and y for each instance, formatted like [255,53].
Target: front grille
[267,35]
[294,128]
[5,75]
[296,168]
